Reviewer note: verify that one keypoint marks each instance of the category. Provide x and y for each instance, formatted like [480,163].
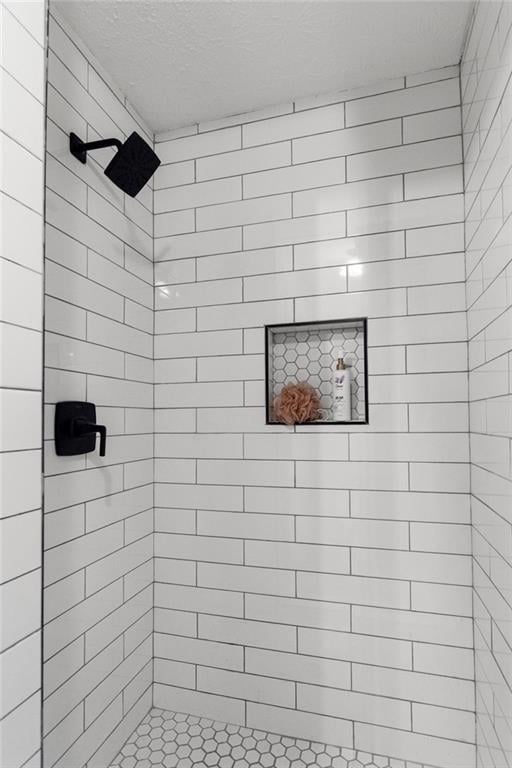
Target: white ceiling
[194,60]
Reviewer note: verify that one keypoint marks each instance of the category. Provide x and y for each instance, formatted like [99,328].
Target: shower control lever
[80,427]
[76,429]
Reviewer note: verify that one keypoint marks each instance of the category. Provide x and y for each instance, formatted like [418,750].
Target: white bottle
[341,399]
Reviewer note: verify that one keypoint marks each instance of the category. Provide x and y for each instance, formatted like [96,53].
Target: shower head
[131,167]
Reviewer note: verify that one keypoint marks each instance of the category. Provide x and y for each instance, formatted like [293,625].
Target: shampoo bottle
[341,400]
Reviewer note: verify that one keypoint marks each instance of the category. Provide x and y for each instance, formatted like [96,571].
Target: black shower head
[131,167]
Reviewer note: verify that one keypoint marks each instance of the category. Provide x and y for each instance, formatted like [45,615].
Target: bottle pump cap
[340,365]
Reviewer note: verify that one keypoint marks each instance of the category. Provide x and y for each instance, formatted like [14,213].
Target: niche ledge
[307,352]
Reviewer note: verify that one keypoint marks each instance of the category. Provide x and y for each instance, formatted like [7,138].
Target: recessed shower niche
[307,353]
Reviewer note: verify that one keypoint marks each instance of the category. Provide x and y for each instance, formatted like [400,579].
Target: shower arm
[79,148]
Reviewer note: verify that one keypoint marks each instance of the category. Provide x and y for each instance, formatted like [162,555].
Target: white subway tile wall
[317,579]
[486,111]
[22,88]
[98,593]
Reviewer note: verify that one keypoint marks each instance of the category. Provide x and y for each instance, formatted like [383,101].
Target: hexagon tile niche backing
[171,740]
[309,355]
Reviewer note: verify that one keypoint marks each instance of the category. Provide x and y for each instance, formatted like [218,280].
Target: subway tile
[413,686]
[354,590]
[445,209]
[230,368]
[257,634]
[195,651]
[440,181]
[297,501]
[381,534]
[245,472]
[246,686]
[442,598]
[452,478]
[210,394]
[418,329]
[443,722]
[435,537]
[21,544]
[198,703]
[21,672]
[244,212]
[298,667]
[198,294]
[349,250]
[174,223]
[245,263]
[321,728]
[26,591]
[246,579]
[199,145]
[432,125]
[21,302]
[438,417]
[20,415]
[381,86]
[195,195]
[413,447]
[24,250]
[174,175]
[245,525]
[375,709]
[248,314]
[380,303]
[172,272]
[112,276]
[417,566]
[407,625]
[198,496]
[244,161]
[445,660]
[291,126]
[180,345]
[298,611]
[204,548]
[430,240]
[64,318]
[22,55]
[404,159]
[353,195]
[427,270]
[198,244]
[352,475]
[21,732]
[297,230]
[171,571]
[174,321]
[297,446]
[246,117]
[347,142]
[294,178]
[90,294]
[245,419]
[407,101]
[435,507]
[180,623]
[289,285]
[350,646]
[412,746]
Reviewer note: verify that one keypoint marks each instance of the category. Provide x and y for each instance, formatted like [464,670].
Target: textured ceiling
[194,60]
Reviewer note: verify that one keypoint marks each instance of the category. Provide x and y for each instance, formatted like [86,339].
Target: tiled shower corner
[177,740]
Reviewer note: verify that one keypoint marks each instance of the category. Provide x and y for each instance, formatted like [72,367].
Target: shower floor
[173,740]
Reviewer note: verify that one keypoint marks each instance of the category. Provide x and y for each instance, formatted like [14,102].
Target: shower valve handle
[81,427]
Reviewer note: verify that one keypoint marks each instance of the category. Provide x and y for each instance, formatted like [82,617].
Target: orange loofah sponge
[297,404]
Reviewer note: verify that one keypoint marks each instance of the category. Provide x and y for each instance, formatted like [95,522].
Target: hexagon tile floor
[172,740]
